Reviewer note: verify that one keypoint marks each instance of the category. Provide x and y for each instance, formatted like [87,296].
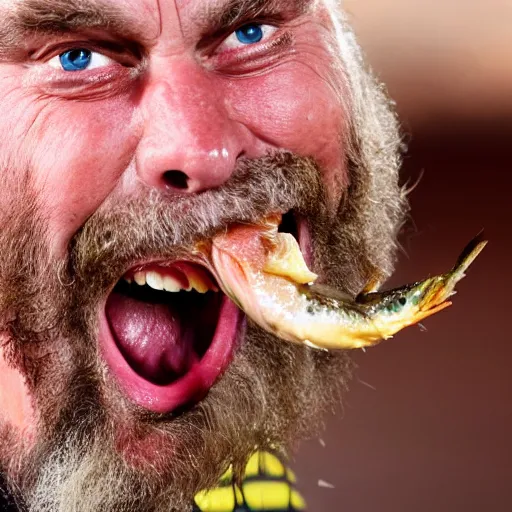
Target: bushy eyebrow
[222,16]
[30,17]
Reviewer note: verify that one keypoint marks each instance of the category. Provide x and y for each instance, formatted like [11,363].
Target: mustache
[160,225]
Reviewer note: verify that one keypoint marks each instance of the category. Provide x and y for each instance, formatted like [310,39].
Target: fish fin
[366,299]
[331,292]
[324,292]
[372,285]
[428,312]
[310,344]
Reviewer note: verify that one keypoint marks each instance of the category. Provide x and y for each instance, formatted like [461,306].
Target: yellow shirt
[267,485]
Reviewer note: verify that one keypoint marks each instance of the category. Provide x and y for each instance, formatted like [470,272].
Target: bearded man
[132,130]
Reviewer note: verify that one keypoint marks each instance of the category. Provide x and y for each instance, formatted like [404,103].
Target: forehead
[152,13]
[30,13]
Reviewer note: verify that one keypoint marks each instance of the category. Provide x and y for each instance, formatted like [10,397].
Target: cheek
[294,108]
[75,153]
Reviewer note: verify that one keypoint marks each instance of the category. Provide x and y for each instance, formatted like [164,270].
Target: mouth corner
[289,224]
[295,224]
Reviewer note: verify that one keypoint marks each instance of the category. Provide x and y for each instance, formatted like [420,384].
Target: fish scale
[264,273]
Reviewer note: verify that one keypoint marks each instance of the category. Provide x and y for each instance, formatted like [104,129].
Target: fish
[263,271]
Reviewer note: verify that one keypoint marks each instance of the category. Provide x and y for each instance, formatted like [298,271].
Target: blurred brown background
[427,424]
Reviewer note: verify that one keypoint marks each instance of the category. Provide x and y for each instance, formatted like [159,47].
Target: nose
[189,143]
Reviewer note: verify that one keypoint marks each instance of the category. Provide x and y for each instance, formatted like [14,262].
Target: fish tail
[468,255]
[442,287]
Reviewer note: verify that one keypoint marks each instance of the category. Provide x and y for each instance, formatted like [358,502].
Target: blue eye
[249,34]
[75,60]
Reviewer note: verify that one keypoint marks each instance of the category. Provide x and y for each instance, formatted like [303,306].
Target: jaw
[18,415]
[15,403]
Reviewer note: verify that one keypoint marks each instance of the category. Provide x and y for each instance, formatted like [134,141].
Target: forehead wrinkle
[160,16]
[171,28]
[61,16]
[178,14]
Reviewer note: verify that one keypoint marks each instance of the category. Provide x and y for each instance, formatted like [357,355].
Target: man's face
[132,130]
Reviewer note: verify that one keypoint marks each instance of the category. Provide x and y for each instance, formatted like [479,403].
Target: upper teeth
[194,279]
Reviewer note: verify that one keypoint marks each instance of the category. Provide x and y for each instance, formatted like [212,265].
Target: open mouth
[168,333]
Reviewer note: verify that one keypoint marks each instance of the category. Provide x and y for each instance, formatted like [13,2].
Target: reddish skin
[185,111]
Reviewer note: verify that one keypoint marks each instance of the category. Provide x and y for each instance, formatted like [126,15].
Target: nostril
[176,179]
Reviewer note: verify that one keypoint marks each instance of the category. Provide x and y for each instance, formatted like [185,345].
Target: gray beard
[89,454]
[84,470]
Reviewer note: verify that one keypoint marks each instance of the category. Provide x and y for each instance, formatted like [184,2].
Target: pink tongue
[151,337]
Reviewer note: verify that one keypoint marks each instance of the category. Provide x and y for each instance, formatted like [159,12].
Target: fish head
[244,244]
[238,255]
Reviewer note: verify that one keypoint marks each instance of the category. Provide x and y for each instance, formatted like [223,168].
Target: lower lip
[194,385]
